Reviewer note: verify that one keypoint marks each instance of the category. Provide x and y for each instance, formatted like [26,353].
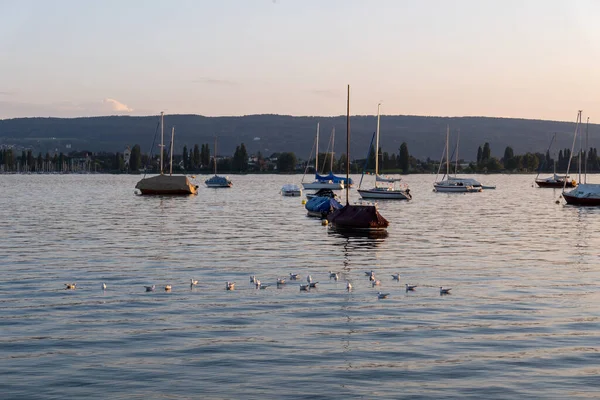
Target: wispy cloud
[325,92]
[117,106]
[215,81]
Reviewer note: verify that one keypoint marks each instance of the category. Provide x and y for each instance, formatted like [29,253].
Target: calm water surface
[523,319]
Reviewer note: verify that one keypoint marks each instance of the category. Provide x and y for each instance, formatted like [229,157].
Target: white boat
[385,187]
[329,181]
[585,194]
[217,181]
[453,185]
[166,184]
[291,190]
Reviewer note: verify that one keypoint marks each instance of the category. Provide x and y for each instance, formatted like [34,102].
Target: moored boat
[291,190]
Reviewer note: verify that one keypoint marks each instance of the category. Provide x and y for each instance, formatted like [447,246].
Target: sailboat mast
[447,152]
[577,123]
[586,151]
[580,153]
[215,156]
[162,133]
[317,152]
[172,141]
[332,143]
[347,146]
[456,162]
[377,143]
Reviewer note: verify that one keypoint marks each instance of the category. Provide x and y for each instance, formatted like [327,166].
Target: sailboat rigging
[217,181]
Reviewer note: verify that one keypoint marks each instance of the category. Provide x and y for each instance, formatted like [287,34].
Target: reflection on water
[523,319]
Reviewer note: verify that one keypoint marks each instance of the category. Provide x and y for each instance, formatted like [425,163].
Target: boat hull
[546,184]
[384,194]
[217,182]
[166,185]
[292,193]
[456,189]
[358,218]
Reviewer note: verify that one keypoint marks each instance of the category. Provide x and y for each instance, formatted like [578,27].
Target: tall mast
[377,143]
[347,146]
[577,123]
[215,156]
[447,152]
[580,154]
[456,162]
[332,142]
[586,150]
[172,141]
[317,152]
[162,132]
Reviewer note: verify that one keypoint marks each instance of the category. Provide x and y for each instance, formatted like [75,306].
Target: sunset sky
[509,58]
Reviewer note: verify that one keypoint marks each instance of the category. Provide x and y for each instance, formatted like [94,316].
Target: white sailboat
[166,184]
[385,188]
[453,185]
[323,181]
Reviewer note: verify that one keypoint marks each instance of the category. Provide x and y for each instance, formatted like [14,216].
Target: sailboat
[166,184]
[218,181]
[585,194]
[329,181]
[453,185]
[555,181]
[355,217]
[385,188]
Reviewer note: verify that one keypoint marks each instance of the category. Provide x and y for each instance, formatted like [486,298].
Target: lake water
[523,319]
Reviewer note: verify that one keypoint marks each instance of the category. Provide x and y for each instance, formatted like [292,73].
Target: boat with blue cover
[217,181]
[323,204]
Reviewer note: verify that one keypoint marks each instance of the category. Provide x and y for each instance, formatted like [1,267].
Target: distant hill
[425,136]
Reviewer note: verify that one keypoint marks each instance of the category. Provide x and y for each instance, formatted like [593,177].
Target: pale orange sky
[527,59]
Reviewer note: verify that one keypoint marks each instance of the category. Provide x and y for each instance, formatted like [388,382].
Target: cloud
[215,81]
[117,106]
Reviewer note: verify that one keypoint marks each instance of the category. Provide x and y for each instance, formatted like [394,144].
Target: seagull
[372,278]
[150,288]
[333,275]
[281,281]
[193,282]
[382,295]
[309,279]
[264,286]
[349,286]
[294,277]
[167,288]
[304,287]
[229,285]
[257,283]
[444,291]
[313,284]
[253,279]
[370,273]
[70,286]
[410,288]
[376,283]
[103,286]
[396,277]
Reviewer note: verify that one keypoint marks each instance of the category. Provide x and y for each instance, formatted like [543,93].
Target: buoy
[557,202]
[324,222]
[303,202]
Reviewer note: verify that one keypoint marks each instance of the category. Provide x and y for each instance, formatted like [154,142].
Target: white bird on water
[348,286]
[382,295]
[229,285]
[369,274]
[294,277]
[304,287]
[410,288]
[168,288]
[257,283]
[376,283]
[309,279]
[281,281]
[253,279]
[396,277]
[193,282]
[313,284]
[334,275]
[69,286]
[372,278]
[445,291]
[150,288]
[103,286]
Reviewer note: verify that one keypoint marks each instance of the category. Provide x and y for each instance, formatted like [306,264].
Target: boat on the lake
[322,203]
[291,190]
[329,181]
[385,187]
[166,184]
[555,181]
[585,194]
[453,185]
[355,217]
[217,181]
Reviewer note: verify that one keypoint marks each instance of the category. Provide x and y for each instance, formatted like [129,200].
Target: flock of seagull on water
[293,277]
